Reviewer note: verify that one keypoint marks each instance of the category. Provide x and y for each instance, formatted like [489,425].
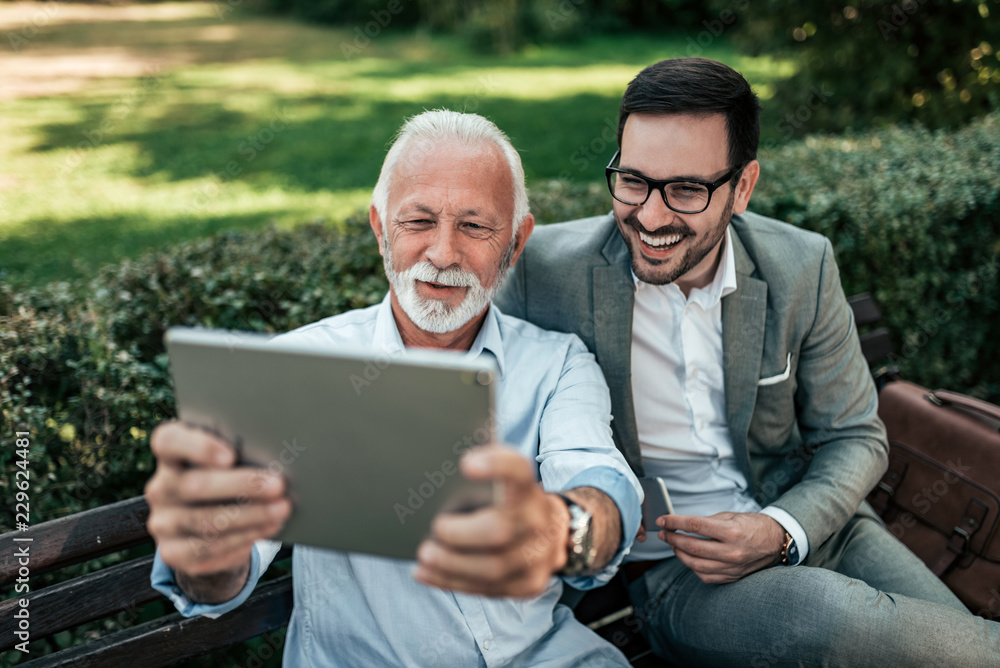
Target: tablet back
[370,445]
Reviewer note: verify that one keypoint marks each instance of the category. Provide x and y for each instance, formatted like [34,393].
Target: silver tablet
[370,445]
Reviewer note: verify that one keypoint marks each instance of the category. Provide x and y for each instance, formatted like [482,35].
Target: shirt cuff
[613,483]
[163,579]
[792,526]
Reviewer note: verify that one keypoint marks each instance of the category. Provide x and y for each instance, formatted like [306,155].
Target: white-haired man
[450,213]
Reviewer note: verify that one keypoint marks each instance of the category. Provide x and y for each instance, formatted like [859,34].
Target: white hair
[442,125]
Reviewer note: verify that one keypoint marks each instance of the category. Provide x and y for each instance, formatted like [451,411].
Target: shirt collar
[723,283]
[387,338]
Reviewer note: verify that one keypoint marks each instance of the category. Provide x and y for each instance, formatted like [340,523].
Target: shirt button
[486,644]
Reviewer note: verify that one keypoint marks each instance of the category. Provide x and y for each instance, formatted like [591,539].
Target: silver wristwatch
[581,551]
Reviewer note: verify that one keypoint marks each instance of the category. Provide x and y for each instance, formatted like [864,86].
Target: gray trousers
[860,599]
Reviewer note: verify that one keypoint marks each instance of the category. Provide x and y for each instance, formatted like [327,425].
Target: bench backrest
[118,592]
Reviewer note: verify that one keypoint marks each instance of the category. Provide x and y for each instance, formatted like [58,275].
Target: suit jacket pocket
[774,417]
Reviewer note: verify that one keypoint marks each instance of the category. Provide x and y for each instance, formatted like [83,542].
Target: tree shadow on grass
[51,250]
[332,143]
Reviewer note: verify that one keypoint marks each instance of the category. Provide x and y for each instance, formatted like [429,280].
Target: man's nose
[655,213]
[443,251]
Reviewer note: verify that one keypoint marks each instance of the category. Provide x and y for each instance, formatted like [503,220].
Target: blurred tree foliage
[502,26]
[865,62]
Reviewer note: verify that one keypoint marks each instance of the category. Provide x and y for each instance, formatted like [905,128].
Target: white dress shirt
[680,404]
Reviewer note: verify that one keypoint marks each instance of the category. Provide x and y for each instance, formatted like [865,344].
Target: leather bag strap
[886,489]
[958,543]
[948,398]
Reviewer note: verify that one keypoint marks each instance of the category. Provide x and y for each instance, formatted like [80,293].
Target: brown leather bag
[941,493]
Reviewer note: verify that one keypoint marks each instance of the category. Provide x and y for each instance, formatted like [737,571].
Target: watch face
[581,552]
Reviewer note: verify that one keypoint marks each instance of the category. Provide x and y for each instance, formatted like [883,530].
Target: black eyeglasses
[680,195]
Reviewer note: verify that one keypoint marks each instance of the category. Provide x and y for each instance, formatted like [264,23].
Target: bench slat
[120,588]
[876,346]
[866,311]
[77,538]
[172,639]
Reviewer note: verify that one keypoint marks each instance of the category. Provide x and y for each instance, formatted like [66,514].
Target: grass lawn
[129,128]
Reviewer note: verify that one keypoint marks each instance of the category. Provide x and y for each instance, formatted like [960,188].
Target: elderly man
[737,378]
[450,213]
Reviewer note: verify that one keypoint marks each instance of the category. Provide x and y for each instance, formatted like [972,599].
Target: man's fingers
[703,567]
[489,575]
[489,567]
[489,529]
[176,444]
[502,463]
[711,527]
[699,547]
[212,521]
[208,485]
[170,486]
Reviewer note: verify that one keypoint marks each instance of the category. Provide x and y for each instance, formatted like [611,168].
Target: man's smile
[660,245]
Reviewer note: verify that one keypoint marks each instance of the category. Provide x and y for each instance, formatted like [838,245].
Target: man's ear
[745,186]
[376,224]
[523,232]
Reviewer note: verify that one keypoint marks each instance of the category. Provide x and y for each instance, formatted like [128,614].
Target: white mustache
[453,277]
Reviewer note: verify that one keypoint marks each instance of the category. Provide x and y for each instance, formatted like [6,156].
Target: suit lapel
[744,314]
[614,296]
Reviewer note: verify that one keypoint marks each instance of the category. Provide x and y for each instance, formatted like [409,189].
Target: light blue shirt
[354,609]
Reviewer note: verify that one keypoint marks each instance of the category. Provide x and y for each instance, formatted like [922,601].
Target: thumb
[505,465]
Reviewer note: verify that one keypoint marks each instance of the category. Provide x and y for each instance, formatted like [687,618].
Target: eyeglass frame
[658,185]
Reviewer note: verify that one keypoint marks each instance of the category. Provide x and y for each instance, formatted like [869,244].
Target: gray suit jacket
[813,444]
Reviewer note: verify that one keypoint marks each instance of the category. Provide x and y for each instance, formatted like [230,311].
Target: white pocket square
[774,380]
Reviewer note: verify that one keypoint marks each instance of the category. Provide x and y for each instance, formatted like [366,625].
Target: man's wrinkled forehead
[479,170]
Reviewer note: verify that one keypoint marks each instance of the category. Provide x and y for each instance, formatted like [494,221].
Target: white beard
[432,315]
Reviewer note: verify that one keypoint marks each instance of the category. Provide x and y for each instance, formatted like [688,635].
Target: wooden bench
[119,591]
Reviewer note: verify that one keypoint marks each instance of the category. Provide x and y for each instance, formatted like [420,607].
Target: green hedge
[914,216]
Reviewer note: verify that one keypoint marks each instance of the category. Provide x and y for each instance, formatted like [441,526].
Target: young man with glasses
[737,378]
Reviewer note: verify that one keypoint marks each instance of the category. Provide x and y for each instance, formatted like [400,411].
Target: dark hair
[697,86]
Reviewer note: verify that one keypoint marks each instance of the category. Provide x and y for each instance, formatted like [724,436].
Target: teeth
[657,242]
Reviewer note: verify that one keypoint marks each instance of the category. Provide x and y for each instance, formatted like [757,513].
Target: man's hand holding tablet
[206,512]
